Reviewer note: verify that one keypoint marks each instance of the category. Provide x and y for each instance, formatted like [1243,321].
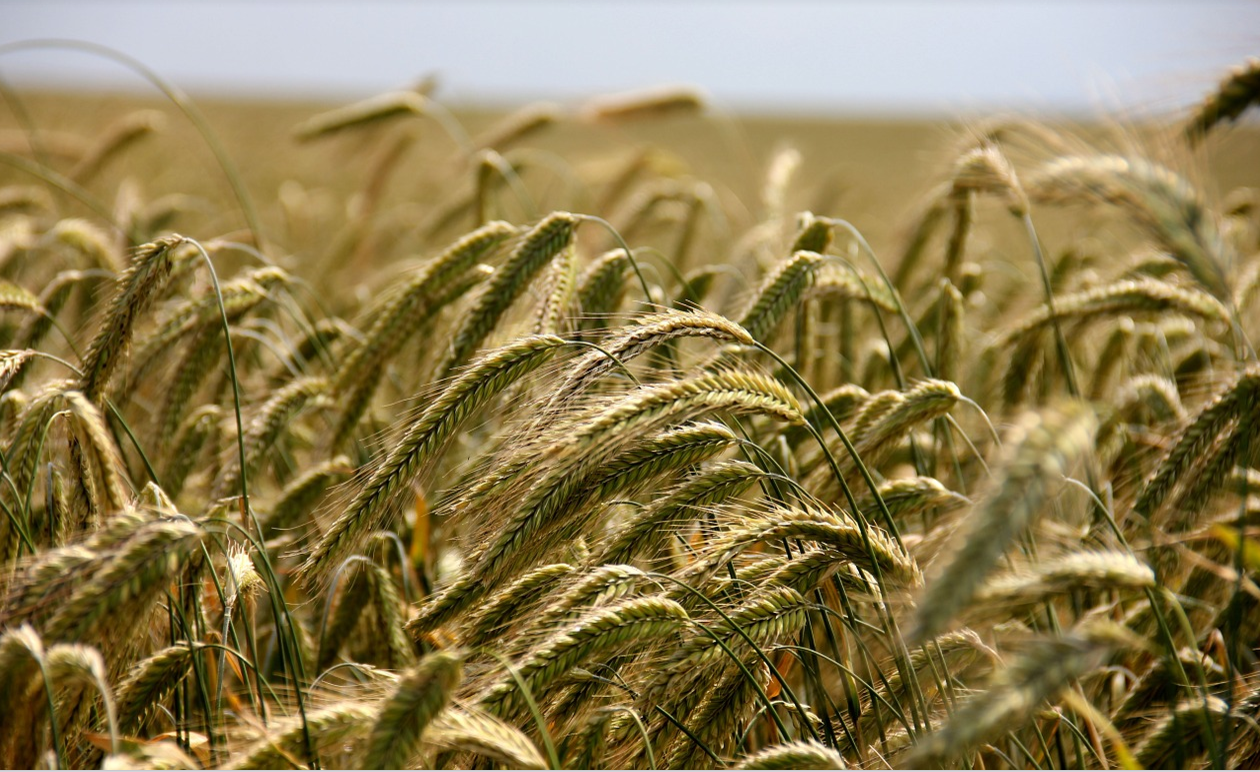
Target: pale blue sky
[893,56]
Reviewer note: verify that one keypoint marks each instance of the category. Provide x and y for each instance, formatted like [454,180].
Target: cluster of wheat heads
[686,484]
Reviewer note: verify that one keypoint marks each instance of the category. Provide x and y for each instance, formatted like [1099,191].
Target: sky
[891,57]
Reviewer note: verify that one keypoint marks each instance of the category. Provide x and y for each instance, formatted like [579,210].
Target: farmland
[628,433]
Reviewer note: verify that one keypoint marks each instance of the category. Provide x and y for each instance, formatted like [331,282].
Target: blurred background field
[869,170]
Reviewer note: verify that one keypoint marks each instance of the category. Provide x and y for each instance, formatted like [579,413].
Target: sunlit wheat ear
[405,309]
[265,428]
[11,362]
[1239,90]
[1161,202]
[1121,299]
[13,298]
[1038,450]
[149,682]
[647,532]
[374,503]
[923,402]
[629,342]
[796,754]
[802,572]
[559,288]
[1015,693]
[100,473]
[338,724]
[98,247]
[779,173]
[136,289]
[871,410]
[369,112]
[909,496]
[985,170]
[874,552]
[572,457]
[841,402]
[514,603]
[649,103]
[958,650]
[640,619]
[115,139]
[1124,297]
[525,122]
[421,694]
[778,293]
[1208,446]
[154,499]
[536,249]
[1075,571]
[485,735]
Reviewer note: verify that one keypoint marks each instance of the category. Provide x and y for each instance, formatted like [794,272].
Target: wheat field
[626,435]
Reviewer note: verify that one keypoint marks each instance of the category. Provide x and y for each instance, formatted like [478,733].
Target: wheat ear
[1039,449]
[419,697]
[797,754]
[1018,690]
[1237,91]
[137,287]
[372,505]
[536,249]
